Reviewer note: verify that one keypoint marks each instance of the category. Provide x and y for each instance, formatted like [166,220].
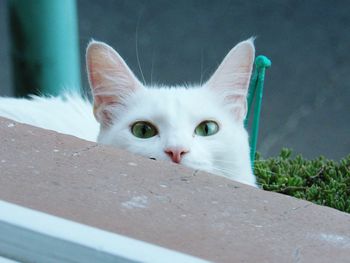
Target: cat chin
[197,165]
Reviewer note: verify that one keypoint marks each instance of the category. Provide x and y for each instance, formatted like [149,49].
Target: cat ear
[111,80]
[231,79]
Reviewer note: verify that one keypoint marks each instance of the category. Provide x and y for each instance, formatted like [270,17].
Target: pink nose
[176,154]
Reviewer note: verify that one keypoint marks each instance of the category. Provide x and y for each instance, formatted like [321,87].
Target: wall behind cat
[306,90]
[5,77]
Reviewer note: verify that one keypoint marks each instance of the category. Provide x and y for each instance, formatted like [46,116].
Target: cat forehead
[177,101]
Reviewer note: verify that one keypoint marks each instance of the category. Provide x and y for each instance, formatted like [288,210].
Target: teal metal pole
[251,94]
[256,89]
[45,48]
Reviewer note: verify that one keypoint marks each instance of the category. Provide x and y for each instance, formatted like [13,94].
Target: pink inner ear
[111,80]
[102,109]
[239,108]
[90,71]
[231,79]
[105,100]
[100,100]
[92,60]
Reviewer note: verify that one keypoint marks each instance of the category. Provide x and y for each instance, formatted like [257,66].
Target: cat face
[200,126]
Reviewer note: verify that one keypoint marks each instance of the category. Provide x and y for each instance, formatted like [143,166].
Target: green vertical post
[256,89]
[44,48]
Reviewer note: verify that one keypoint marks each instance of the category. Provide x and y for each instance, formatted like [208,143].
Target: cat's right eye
[143,130]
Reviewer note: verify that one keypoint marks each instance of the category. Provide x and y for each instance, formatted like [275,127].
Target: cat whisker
[221,170]
[152,66]
[137,50]
[222,161]
[201,77]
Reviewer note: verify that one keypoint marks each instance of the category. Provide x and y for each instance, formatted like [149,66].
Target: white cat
[197,126]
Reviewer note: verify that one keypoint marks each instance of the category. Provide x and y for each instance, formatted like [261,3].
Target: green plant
[321,181]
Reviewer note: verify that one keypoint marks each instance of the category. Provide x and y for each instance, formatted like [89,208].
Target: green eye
[207,128]
[143,130]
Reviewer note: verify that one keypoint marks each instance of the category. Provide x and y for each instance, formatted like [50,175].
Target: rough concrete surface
[166,204]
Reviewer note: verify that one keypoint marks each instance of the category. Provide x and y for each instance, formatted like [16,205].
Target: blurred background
[307,89]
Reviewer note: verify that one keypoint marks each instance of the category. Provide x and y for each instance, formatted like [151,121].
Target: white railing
[27,235]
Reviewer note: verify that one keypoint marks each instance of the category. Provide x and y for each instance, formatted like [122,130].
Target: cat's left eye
[207,128]
[143,130]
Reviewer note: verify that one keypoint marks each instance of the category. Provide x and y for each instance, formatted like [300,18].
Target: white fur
[120,100]
[176,112]
[68,114]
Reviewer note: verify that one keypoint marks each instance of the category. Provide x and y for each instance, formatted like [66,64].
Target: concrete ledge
[162,203]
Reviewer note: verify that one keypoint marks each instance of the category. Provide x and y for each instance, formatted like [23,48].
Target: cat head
[198,126]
